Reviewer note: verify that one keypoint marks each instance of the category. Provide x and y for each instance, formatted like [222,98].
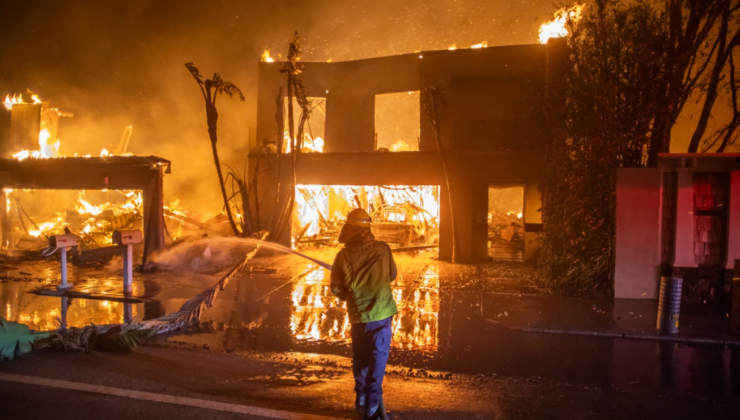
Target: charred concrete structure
[487,135]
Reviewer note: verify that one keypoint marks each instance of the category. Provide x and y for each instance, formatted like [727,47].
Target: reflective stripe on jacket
[362,276]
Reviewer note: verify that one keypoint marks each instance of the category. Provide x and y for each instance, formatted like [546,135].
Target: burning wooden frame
[91,173]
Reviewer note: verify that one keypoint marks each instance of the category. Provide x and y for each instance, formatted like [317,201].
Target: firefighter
[361,275]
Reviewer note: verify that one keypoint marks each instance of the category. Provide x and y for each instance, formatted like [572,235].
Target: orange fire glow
[323,208]
[265,57]
[18,99]
[557,27]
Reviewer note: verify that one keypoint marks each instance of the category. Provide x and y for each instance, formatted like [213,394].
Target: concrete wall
[486,135]
[637,244]
[733,222]
[486,91]
[470,175]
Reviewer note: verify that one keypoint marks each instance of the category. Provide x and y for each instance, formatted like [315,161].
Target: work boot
[376,411]
[360,402]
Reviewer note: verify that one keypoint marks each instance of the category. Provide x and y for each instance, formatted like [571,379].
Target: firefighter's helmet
[359,217]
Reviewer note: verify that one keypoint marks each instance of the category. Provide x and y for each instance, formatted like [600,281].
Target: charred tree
[295,89]
[210,88]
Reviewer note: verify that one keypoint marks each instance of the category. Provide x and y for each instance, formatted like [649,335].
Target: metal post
[64,284]
[669,304]
[65,303]
[128,313]
[128,269]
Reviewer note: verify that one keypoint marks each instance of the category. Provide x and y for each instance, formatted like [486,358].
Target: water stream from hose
[280,248]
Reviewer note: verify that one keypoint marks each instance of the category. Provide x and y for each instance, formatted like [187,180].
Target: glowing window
[397,120]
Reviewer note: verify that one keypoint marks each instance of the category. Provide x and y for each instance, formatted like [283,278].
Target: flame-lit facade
[486,135]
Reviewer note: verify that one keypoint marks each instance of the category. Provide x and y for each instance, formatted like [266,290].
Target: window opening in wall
[403,215]
[397,119]
[314,131]
[505,222]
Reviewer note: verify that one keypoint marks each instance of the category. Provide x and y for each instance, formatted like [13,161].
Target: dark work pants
[371,344]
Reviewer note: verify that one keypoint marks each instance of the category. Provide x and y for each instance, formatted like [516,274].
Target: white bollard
[64,284]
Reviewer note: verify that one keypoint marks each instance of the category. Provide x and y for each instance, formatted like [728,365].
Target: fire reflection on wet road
[317,314]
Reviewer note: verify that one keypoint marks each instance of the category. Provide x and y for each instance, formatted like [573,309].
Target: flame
[83,206]
[46,150]
[556,28]
[452,47]
[18,99]
[265,57]
[483,44]
[309,144]
[321,209]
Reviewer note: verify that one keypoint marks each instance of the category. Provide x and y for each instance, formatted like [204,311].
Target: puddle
[156,295]
[444,326]
[453,318]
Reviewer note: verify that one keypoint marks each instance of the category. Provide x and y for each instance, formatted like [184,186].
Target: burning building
[369,145]
[45,192]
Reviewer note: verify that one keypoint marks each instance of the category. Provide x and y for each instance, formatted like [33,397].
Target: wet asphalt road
[319,385]
[24,402]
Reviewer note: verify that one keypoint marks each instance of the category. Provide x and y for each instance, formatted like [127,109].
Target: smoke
[115,64]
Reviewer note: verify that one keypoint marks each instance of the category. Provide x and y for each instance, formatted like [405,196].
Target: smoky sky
[118,63]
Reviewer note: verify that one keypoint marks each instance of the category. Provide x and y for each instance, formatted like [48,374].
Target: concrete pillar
[153,196]
[684,256]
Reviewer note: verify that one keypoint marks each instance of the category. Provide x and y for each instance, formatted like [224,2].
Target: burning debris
[47,192]
[94,224]
[402,215]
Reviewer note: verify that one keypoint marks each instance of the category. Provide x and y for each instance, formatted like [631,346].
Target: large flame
[99,219]
[323,208]
[557,28]
[46,149]
[18,99]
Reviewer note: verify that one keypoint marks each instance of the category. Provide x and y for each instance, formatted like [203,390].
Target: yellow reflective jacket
[362,276]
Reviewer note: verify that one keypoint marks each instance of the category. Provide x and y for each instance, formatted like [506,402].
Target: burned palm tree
[210,88]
